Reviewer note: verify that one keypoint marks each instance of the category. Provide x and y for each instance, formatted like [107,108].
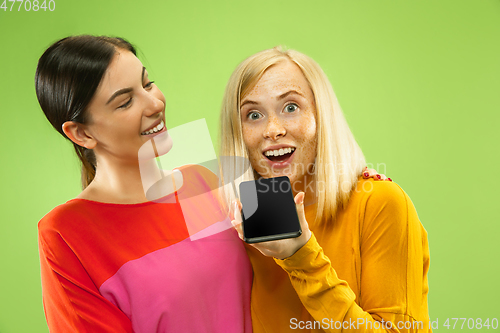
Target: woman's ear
[76,132]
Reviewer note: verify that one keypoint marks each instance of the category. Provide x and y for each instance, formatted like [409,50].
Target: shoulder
[201,180]
[63,216]
[198,175]
[383,205]
[376,194]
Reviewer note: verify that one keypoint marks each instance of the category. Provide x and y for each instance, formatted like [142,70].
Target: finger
[237,210]
[238,227]
[231,211]
[368,173]
[234,208]
[382,176]
[299,205]
[237,221]
[372,173]
[299,198]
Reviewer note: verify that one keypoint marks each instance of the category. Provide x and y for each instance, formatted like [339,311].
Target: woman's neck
[308,186]
[124,183]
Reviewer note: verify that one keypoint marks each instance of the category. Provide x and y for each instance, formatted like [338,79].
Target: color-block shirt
[136,268]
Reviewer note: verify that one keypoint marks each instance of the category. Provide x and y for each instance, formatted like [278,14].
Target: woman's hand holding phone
[282,248]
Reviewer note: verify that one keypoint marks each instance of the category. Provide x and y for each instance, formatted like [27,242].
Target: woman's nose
[154,105]
[274,129]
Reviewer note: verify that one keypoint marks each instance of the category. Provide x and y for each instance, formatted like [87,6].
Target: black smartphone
[268,211]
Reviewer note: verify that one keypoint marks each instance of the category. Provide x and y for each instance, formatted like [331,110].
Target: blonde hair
[339,160]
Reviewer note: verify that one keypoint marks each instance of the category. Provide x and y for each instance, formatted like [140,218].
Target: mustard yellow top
[364,272]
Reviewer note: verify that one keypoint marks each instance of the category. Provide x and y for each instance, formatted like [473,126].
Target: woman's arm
[71,300]
[394,263]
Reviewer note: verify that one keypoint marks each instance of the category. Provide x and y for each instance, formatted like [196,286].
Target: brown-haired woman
[112,260]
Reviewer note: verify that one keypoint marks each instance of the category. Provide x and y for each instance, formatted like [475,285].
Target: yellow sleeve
[394,263]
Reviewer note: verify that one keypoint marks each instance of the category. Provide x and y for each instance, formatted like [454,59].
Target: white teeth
[280,152]
[160,126]
[155,129]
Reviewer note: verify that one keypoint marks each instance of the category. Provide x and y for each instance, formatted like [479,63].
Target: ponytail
[88,160]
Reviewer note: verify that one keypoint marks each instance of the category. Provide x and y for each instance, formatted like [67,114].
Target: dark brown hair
[66,79]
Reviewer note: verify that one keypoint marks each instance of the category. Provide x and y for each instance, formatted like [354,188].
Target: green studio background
[418,80]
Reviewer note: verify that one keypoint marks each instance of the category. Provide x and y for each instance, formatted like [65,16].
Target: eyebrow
[290,92]
[248,102]
[125,90]
[282,96]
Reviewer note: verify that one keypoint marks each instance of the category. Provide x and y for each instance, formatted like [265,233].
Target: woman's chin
[158,145]
[275,173]
[163,143]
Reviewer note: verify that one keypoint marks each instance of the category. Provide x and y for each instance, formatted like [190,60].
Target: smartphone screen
[268,211]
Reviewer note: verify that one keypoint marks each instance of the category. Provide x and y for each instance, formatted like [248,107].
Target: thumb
[233,208]
[299,205]
[237,219]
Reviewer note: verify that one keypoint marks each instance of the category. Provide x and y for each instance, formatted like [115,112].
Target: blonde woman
[361,262]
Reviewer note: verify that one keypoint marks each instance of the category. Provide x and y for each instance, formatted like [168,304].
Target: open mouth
[155,129]
[279,155]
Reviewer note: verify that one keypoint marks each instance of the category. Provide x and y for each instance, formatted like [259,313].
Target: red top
[144,267]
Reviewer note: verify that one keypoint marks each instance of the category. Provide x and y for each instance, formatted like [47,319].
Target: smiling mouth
[279,155]
[155,129]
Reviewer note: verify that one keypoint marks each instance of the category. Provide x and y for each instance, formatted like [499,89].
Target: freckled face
[279,124]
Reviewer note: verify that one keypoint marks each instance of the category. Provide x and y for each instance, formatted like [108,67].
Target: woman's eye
[291,107]
[124,105]
[253,115]
[149,84]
